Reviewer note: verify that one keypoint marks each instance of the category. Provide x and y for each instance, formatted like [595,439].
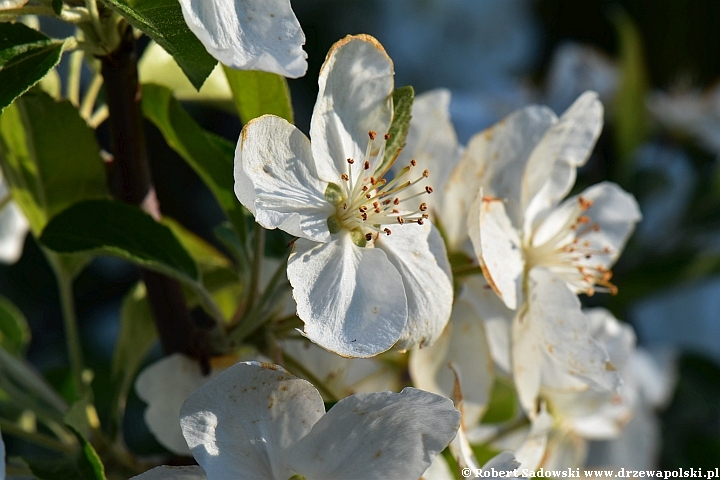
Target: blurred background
[655,64]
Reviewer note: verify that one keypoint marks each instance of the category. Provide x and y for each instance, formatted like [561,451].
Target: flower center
[367,203]
[571,254]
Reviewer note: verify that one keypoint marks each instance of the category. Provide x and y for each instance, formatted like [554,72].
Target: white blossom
[258,421]
[249,34]
[368,270]
[13,226]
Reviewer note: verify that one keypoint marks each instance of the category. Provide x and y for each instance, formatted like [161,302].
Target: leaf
[630,114]
[402,113]
[206,256]
[162,20]
[57,6]
[26,56]
[14,330]
[121,230]
[259,93]
[210,156]
[49,157]
[503,404]
[85,466]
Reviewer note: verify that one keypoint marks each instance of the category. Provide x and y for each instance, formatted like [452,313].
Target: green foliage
[403,98]
[503,405]
[49,157]
[162,20]
[210,156]
[630,114]
[121,230]
[14,330]
[86,465]
[26,56]
[57,6]
[259,93]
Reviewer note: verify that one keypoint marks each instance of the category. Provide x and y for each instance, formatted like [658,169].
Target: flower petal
[551,168]
[504,461]
[566,337]
[351,299]
[532,451]
[377,435]
[356,82]
[164,386]
[614,211]
[13,229]
[249,34]
[464,346]
[241,424]
[498,246]
[173,473]
[276,179]
[418,253]
[497,157]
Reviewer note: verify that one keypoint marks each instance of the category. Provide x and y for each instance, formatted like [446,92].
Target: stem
[7,199]
[73,78]
[88,102]
[293,364]
[131,181]
[97,118]
[467,270]
[37,438]
[258,254]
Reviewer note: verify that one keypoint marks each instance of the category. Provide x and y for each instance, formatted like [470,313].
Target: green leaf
[503,404]
[402,113]
[630,114]
[14,330]
[85,466]
[49,157]
[210,156]
[162,20]
[259,93]
[137,335]
[26,56]
[57,6]
[121,230]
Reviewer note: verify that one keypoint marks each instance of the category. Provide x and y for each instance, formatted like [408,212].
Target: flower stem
[88,102]
[37,438]
[258,254]
[467,270]
[73,78]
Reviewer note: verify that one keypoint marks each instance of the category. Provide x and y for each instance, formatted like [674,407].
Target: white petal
[566,338]
[438,470]
[276,179]
[464,346]
[13,229]
[418,253]
[172,473]
[431,140]
[551,168]
[565,450]
[504,461]
[500,155]
[532,451]
[355,82]
[8,4]
[164,386]
[498,245]
[241,424]
[614,211]
[377,435]
[496,317]
[351,299]
[249,34]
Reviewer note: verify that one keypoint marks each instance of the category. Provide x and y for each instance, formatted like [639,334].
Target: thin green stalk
[6,199]
[73,78]
[11,428]
[293,364]
[258,254]
[88,102]
[467,270]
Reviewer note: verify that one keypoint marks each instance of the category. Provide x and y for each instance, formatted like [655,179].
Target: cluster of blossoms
[477,276]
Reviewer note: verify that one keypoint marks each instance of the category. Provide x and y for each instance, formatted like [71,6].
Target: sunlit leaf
[259,93]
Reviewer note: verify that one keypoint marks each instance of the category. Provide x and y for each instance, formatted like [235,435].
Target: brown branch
[130,180]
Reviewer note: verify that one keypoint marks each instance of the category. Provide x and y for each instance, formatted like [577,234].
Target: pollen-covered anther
[387,137]
[428,189]
[413,162]
[400,220]
[368,236]
[584,204]
[350,161]
[372,135]
[420,221]
[426,173]
[423,207]
[396,201]
[345,177]
[366,165]
[387,231]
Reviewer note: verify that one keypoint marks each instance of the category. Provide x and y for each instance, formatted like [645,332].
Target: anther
[584,204]
[345,177]
[396,201]
[387,136]
[420,221]
[372,134]
[426,173]
[350,161]
[428,189]
[401,220]
[388,231]
[423,207]
[368,236]
[373,181]
[413,162]
[366,165]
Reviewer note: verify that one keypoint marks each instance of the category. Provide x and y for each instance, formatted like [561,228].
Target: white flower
[13,227]
[367,270]
[249,34]
[537,255]
[258,421]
